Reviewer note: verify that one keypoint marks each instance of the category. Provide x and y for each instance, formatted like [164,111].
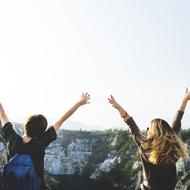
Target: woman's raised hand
[113,102]
[187,95]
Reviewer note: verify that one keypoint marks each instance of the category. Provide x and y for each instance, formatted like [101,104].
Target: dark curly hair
[35,126]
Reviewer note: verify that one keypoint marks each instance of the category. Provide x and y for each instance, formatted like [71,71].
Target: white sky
[52,51]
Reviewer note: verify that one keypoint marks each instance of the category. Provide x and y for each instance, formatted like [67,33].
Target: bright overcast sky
[52,51]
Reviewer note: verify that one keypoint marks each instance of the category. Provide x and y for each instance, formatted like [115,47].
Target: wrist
[125,119]
[124,115]
[77,104]
[185,100]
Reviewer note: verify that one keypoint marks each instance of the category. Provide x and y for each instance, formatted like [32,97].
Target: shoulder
[7,130]
[49,136]
[51,131]
[7,126]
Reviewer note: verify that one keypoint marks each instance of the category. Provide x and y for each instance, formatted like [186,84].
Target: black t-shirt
[36,147]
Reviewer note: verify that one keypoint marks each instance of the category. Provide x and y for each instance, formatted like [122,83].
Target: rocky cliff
[109,156]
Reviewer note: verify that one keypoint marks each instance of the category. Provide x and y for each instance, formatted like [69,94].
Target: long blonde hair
[165,145]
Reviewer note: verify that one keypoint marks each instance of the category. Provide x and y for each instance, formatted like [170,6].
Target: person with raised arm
[36,136]
[159,149]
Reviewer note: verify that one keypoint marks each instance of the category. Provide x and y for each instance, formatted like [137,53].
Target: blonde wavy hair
[165,145]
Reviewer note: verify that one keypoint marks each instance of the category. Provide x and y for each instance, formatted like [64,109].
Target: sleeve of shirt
[139,138]
[49,136]
[11,138]
[9,134]
[0,125]
[176,125]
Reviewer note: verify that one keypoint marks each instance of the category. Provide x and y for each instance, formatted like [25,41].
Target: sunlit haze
[52,51]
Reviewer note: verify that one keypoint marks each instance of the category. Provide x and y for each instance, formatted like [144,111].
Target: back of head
[35,126]
[161,128]
[165,146]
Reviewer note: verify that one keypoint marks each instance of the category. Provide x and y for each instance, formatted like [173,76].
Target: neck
[26,138]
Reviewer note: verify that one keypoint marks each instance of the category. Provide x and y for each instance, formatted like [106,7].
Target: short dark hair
[35,126]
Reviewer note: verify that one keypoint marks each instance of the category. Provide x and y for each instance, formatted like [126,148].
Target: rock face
[71,159]
[106,166]
[110,155]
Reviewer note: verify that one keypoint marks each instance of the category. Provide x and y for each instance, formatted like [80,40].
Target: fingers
[111,99]
[187,94]
[85,98]
[84,95]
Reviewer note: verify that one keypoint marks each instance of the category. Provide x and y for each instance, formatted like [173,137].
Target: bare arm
[3,116]
[137,135]
[126,117]
[121,111]
[185,100]
[177,120]
[84,100]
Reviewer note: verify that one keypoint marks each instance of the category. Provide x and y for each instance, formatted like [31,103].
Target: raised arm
[3,116]
[185,100]
[121,111]
[137,135]
[126,117]
[177,120]
[84,100]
